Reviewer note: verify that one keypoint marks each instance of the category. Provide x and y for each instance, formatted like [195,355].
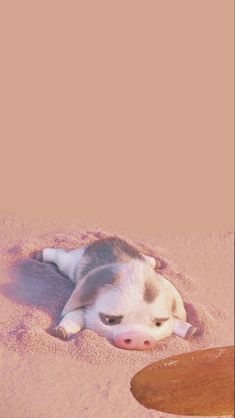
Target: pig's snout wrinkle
[134,341]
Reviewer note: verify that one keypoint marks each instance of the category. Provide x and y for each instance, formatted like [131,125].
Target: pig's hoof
[158,264]
[59,332]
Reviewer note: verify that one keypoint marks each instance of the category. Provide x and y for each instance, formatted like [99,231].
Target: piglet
[117,294]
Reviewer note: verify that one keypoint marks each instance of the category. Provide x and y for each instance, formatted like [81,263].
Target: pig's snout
[134,341]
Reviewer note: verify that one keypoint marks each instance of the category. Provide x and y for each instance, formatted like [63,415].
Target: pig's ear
[155,263]
[74,301]
[88,288]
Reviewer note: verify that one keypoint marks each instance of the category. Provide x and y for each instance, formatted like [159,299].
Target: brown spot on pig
[150,291]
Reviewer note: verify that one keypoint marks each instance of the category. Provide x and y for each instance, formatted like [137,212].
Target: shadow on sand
[38,285]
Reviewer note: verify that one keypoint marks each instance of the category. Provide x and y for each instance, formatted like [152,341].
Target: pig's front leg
[70,324]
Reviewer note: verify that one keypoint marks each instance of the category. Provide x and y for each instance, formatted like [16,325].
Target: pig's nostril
[146,342]
[127,341]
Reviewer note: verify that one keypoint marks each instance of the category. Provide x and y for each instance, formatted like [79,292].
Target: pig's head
[130,304]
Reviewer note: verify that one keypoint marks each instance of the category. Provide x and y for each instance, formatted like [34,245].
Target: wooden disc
[196,383]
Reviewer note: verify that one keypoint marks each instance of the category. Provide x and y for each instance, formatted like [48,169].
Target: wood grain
[196,383]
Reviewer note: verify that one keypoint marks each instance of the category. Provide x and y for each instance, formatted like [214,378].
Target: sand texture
[86,377]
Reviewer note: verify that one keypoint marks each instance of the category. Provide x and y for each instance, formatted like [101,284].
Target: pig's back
[106,251]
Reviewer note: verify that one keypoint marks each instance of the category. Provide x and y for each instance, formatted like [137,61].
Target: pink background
[118,113]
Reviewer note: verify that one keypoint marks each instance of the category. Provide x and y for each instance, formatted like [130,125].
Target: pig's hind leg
[66,260]
[70,324]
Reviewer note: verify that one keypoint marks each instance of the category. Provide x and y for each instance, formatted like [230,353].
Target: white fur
[127,300]
[67,261]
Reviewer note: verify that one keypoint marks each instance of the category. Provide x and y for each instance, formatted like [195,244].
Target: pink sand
[43,377]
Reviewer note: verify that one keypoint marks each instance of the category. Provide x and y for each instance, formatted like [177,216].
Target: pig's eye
[109,319]
[160,321]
